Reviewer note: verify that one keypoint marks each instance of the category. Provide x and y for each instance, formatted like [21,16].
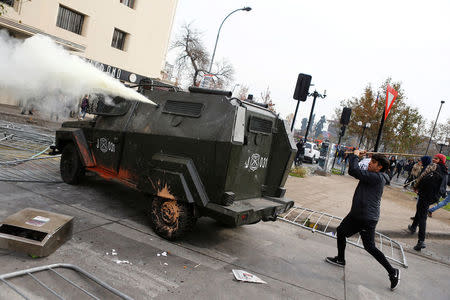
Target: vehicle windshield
[308,146]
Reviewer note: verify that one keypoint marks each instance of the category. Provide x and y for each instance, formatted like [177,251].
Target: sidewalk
[333,195]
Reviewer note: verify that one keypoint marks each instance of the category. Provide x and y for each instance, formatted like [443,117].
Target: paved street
[109,216]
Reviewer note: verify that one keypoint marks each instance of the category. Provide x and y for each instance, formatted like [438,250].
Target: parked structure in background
[126,38]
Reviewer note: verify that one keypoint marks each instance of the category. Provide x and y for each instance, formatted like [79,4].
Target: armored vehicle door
[108,134]
[249,161]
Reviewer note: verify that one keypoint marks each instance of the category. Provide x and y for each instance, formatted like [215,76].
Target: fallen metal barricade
[25,138]
[59,289]
[42,169]
[22,154]
[326,224]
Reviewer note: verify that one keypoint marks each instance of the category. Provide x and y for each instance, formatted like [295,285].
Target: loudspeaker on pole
[302,87]
[345,117]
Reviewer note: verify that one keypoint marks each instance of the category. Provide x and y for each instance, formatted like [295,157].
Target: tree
[402,130]
[319,127]
[267,99]
[193,59]
[243,92]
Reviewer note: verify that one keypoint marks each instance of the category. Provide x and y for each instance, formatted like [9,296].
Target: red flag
[391,95]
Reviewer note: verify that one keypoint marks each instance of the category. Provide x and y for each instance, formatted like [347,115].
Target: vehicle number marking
[256,161]
[104,145]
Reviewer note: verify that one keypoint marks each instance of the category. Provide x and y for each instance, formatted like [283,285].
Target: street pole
[360,141]
[435,122]
[379,131]
[218,33]
[315,94]
[338,144]
[295,115]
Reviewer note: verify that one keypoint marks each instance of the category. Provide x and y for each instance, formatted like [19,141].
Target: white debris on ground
[242,275]
[118,261]
[162,254]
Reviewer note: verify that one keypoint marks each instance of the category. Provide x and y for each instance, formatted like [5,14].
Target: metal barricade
[326,224]
[47,288]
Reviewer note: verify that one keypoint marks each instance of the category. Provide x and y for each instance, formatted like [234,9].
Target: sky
[344,45]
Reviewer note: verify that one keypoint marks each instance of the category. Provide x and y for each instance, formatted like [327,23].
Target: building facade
[126,38]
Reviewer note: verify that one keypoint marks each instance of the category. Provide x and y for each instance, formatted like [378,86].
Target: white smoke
[40,73]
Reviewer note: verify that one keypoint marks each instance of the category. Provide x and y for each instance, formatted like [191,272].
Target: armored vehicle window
[259,125]
[188,109]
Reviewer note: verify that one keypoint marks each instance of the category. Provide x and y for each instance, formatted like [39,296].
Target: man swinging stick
[365,212]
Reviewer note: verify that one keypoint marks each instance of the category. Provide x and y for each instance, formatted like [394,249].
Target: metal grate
[22,157]
[46,285]
[188,109]
[259,125]
[326,224]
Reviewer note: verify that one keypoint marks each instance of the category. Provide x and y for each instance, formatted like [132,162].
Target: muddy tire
[171,219]
[70,166]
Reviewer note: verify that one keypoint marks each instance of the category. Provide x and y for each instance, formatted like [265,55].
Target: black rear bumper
[249,211]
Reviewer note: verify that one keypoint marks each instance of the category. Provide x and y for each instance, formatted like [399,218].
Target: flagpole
[379,130]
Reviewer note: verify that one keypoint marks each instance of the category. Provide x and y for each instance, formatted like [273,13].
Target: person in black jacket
[365,212]
[428,188]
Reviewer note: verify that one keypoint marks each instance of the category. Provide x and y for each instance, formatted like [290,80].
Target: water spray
[39,70]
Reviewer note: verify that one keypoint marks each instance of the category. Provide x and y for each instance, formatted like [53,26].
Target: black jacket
[430,187]
[367,197]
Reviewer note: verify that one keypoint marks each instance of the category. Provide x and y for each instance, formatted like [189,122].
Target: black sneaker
[395,279]
[335,261]
[420,245]
[411,229]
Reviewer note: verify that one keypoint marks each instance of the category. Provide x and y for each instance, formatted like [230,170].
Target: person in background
[365,212]
[399,167]
[392,165]
[443,190]
[84,106]
[428,188]
[300,153]
[416,169]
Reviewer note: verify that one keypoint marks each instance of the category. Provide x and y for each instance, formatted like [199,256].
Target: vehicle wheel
[171,219]
[71,167]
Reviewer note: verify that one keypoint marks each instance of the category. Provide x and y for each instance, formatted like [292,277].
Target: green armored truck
[197,153]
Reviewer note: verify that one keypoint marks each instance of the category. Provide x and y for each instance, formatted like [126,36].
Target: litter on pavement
[242,275]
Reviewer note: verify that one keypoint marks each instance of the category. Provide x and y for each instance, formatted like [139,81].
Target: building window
[118,40]
[129,3]
[70,20]
[8,2]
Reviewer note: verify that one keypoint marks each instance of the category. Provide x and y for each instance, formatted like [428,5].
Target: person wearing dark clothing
[409,168]
[392,164]
[365,212]
[398,168]
[428,188]
[300,152]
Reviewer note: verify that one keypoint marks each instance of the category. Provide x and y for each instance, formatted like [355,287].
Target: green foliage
[298,172]
[403,128]
[336,171]
[2,9]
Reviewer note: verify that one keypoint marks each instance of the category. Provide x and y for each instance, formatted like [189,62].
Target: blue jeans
[440,204]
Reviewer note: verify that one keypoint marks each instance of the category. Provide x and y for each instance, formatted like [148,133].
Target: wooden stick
[386,153]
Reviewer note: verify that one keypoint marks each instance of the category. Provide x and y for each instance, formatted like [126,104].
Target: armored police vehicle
[197,153]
